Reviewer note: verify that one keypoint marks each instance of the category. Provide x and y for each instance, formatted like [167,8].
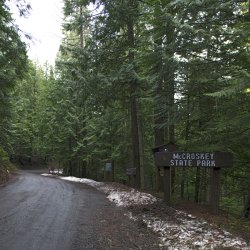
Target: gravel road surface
[39,213]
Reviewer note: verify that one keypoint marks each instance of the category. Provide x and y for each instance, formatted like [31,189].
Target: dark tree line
[13,60]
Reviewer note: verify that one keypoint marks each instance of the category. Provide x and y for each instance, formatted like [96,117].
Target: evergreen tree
[13,62]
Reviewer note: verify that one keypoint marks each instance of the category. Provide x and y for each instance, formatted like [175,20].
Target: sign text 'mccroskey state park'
[193,159]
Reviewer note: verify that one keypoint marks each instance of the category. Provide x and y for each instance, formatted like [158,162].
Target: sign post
[109,171]
[213,160]
[215,190]
[167,182]
[131,173]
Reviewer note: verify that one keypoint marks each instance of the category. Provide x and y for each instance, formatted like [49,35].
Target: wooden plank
[215,190]
[167,184]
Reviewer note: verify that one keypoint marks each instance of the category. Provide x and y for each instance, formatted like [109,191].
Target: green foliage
[232,205]
[134,74]
[5,165]
[25,118]
[187,47]
[13,61]
[3,156]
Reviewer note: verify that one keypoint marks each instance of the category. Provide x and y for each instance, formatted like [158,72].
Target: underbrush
[5,166]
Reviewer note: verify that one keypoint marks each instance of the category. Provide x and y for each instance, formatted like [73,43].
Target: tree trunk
[171,126]
[187,131]
[70,168]
[246,212]
[133,101]
[159,102]
[135,138]
[198,170]
[159,131]
[141,145]
[197,184]
[81,27]
[169,77]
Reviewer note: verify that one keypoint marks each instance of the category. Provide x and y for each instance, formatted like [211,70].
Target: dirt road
[39,213]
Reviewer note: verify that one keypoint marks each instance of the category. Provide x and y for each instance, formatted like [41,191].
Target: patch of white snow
[70,178]
[186,234]
[46,174]
[133,197]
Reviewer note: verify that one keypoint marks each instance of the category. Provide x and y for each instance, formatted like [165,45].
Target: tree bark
[133,101]
[197,184]
[141,145]
[81,27]
[159,102]
[246,211]
[135,138]
[159,130]
[198,170]
[169,78]
[187,132]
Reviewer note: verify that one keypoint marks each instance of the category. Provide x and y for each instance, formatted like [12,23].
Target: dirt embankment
[4,176]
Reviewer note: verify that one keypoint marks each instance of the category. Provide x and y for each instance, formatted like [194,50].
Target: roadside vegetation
[13,61]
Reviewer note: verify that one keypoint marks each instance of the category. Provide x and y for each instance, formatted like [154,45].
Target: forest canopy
[132,75]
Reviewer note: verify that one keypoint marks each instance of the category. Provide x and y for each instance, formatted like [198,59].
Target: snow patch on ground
[189,233]
[70,178]
[192,233]
[92,183]
[82,180]
[119,197]
[124,198]
[183,232]
[46,174]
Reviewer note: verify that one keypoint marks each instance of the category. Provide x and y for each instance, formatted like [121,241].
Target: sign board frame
[194,159]
[167,157]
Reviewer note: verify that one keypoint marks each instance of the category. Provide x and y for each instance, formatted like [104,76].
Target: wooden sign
[193,159]
[167,157]
[131,171]
[108,167]
[109,171]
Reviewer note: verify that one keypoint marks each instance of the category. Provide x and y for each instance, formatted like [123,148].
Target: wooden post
[105,175]
[113,172]
[213,160]
[109,171]
[157,179]
[215,190]
[133,180]
[167,184]
[129,180]
[131,173]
